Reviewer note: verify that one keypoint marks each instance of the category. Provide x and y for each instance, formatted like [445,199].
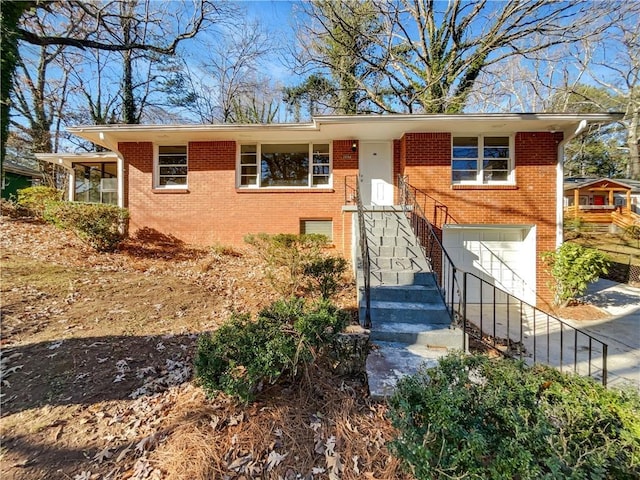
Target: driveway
[621,331]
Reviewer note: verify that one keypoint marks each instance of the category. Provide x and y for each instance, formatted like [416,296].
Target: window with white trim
[270,165]
[171,166]
[318,227]
[482,160]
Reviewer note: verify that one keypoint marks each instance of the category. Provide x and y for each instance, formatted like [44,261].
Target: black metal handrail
[365,258]
[515,328]
[441,264]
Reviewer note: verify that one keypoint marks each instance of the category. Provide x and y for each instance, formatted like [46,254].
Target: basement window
[319,227]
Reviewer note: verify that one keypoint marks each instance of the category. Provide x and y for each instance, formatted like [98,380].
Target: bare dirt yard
[96,358]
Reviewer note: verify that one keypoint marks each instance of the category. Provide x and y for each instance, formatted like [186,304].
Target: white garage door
[504,256]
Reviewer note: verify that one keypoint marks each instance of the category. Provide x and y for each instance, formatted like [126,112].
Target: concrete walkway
[621,331]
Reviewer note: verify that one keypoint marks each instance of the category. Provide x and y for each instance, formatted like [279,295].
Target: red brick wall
[212,210]
[531,201]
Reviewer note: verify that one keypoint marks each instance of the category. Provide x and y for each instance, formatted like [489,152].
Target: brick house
[497,177]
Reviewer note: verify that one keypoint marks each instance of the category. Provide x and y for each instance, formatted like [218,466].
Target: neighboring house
[599,191]
[498,176]
[605,201]
[16,177]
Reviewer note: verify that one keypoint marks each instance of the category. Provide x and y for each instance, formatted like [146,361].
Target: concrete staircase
[410,323]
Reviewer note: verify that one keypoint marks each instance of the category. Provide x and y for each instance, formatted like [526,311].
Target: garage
[503,255]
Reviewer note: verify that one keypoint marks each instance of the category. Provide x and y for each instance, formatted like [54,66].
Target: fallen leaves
[131,315]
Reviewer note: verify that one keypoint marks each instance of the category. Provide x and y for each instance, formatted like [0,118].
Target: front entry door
[376,173]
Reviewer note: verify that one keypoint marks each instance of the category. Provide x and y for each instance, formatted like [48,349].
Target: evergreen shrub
[243,356]
[475,417]
[35,199]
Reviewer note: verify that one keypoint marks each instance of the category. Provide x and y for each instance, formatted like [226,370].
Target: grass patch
[618,248]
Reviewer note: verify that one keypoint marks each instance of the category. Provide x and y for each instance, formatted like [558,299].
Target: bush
[475,417]
[324,273]
[244,355]
[101,226]
[286,256]
[35,199]
[573,267]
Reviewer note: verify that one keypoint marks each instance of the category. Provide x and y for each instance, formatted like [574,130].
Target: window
[248,164]
[172,166]
[320,227]
[96,182]
[321,164]
[481,159]
[285,165]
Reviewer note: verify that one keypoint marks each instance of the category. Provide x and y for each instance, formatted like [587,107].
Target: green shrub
[243,356]
[101,226]
[474,417]
[573,267]
[35,199]
[286,256]
[319,326]
[324,273]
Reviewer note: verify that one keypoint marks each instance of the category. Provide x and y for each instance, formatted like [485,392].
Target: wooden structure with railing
[595,202]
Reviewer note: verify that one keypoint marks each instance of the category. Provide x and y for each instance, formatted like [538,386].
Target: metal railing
[496,318]
[440,262]
[517,329]
[364,256]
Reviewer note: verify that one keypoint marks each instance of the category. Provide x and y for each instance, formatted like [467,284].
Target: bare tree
[600,73]
[620,75]
[106,25]
[228,85]
[39,100]
[428,55]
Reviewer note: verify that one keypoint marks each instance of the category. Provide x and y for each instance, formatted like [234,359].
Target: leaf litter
[74,321]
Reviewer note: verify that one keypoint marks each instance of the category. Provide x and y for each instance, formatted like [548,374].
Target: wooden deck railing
[621,216]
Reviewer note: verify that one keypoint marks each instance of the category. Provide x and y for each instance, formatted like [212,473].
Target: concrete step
[398,277]
[399,263]
[403,240]
[388,231]
[389,362]
[434,336]
[391,222]
[404,251]
[406,293]
[410,312]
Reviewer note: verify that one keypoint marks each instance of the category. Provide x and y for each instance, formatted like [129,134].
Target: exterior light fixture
[354,146]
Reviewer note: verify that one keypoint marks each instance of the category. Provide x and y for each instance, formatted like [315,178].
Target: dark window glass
[285,165]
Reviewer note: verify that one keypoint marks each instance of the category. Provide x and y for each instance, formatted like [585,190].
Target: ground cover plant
[96,354]
[475,417]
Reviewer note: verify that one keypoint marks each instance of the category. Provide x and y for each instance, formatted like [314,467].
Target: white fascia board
[68,159]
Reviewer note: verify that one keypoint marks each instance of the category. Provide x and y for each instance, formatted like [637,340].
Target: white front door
[376,173]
